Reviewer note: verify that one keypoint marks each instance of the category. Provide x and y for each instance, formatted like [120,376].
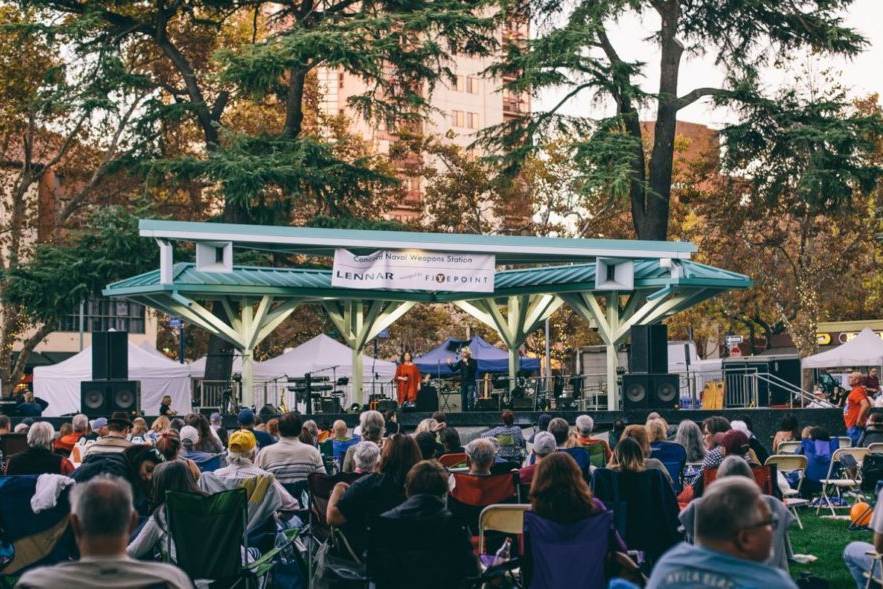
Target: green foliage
[58,277]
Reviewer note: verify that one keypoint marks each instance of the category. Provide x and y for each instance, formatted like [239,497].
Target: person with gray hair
[365,457]
[39,458]
[371,424]
[102,518]
[480,456]
[543,445]
[585,425]
[736,466]
[734,537]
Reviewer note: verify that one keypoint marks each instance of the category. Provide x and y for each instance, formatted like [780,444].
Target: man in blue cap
[246,421]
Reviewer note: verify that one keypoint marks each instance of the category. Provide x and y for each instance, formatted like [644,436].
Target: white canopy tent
[59,384]
[197,367]
[865,349]
[320,356]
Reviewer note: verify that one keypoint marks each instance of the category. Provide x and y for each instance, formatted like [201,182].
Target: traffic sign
[732,340]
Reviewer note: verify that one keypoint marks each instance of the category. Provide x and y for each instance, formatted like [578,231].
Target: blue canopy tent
[490,358]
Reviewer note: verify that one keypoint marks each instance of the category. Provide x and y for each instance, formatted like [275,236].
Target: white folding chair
[791,463]
[849,483]
[876,564]
[788,448]
[845,441]
[876,448]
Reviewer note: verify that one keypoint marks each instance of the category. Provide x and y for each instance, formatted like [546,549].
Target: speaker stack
[110,388]
[648,384]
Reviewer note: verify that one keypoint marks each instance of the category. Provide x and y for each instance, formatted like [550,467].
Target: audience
[509,438]
[290,460]
[160,425]
[247,422]
[39,458]
[639,434]
[429,448]
[734,537]
[310,433]
[138,433]
[450,439]
[372,425]
[209,441]
[153,538]
[561,430]
[735,443]
[365,457]
[102,518]
[744,425]
[218,429]
[541,426]
[690,437]
[788,431]
[116,438]
[481,454]
[714,454]
[585,425]
[657,430]
[240,465]
[79,428]
[170,446]
[543,446]
[873,433]
[351,507]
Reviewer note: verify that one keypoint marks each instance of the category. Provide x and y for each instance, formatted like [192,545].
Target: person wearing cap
[247,423]
[241,453]
[543,445]
[735,443]
[468,369]
[189,441]
[115,440]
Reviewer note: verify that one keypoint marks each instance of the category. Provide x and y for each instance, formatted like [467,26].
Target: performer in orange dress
[407,380]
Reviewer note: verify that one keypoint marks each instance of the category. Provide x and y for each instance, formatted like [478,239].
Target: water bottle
[504,553]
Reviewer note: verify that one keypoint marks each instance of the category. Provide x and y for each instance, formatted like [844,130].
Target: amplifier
[492,404]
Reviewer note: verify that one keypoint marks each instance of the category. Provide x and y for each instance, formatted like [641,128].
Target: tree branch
[694,95]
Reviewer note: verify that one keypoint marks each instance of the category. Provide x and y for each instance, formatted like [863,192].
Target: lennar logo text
[364,275]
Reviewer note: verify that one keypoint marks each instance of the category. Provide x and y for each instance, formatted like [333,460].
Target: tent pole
[513,367]
[358,377]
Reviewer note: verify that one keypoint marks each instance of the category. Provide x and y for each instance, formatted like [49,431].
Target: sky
[862,75]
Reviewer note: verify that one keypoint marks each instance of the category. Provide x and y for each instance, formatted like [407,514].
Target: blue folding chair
[674,457]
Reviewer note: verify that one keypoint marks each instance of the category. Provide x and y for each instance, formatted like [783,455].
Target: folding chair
[849,483]
[845,441]
[791,463]
[674,457]
[792,447]
[222,517]
[452,460]
[876,563]
[11,444]
[506,518]
[319,487]
[765,476]
[876,448]
[582,457]
[472,493]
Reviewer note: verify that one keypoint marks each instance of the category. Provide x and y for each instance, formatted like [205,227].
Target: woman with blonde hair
[657,430]
[627,456]
[160,425]
[638,433]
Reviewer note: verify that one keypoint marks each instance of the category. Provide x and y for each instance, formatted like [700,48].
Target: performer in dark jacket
[468,369]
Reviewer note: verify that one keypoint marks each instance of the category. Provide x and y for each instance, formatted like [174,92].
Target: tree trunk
[294,114]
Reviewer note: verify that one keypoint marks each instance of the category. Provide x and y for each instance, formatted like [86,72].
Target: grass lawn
[824,539]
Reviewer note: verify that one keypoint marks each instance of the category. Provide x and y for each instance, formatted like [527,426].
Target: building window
[472,85]
[340,80]
[472,120]
[461,84]
[458,119]
[100,314]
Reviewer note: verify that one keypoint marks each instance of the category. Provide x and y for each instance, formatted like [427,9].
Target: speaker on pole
[110,355]
[648,352]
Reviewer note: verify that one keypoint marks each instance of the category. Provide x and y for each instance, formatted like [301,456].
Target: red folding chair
[453,459]
[764,475]
[472,493]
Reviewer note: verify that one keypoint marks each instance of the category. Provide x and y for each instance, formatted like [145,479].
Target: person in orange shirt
[407,380]
[856,409]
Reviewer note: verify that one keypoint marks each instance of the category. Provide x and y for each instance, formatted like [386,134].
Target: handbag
[335,561]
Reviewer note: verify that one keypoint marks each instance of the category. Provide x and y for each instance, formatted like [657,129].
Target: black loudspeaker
[427,399]
[331,405]
[656,391]
[492,404]
[110,355]
[100,398]
[648,353]
[385,405]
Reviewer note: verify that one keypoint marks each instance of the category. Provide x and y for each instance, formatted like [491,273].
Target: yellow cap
[242,441]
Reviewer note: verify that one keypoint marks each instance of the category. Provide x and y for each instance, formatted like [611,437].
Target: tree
[57,277]
[797,205]
[59,118]
[573,51]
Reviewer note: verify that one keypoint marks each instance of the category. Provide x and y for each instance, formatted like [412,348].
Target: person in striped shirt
[290,460]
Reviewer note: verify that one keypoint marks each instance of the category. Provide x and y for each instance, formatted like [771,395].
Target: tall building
[462,108]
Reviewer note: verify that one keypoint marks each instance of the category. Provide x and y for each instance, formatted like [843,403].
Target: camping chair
[553,550]
[222,517]
[766,477]
[848,483]
[455,459]
[791,463]
[11,444]
[792,447]
[472,493]
[210,463]
[583,460]
[429,553]
[876,448]
[597,455]
[674,457]
[319,487]
[38,539]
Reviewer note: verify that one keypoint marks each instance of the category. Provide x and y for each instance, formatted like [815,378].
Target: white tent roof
[865,349]
[59,384]
[321,352]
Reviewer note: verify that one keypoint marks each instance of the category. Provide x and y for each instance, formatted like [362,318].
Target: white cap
[189,434]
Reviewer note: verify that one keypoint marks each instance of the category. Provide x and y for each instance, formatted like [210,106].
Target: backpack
[872,471]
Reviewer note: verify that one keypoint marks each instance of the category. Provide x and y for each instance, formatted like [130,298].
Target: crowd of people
[646,486]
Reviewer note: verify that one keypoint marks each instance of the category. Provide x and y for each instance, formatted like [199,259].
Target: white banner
[414,270]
